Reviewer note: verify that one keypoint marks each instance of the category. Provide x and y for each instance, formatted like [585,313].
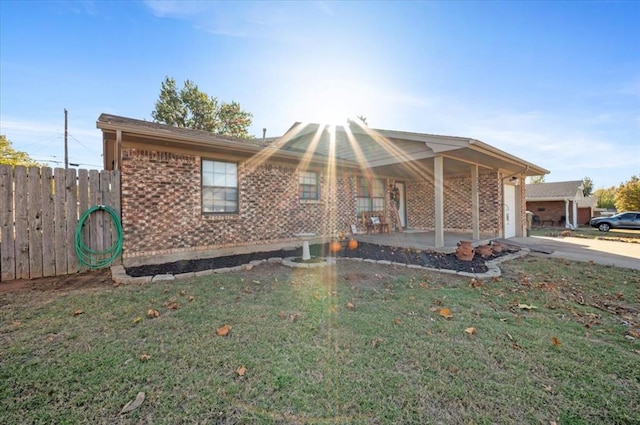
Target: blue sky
[555,83]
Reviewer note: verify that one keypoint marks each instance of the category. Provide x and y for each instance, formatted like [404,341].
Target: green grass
[310,358]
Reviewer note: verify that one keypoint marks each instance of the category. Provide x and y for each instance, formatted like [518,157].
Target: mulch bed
[364,250]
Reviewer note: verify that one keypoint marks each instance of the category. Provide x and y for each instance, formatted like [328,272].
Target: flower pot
[465,251]
[353,244]
[484,250]
[497,247]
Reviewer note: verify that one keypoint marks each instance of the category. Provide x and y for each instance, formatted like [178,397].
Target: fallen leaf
[471,331]
[241,371]
[144,357]
[526,307]
[78,312]
[424,285]
[133,405]
[223,330]
[183,292]
[173,306]
[137,319]
[475,283]
[548,388]
[555,341]
[351,306]
[376,342]
[191,298]
[16,323]
[634,333]
[282,314]
[397,321]
[247,290]
[293,317]
[446,313]
[257,282]
[153,313]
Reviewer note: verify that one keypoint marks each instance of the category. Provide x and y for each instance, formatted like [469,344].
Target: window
[308,185]
[371,195]
[219,187]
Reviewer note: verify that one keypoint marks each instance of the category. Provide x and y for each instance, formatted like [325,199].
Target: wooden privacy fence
[39,212]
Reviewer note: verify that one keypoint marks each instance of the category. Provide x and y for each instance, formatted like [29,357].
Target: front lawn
[551,340]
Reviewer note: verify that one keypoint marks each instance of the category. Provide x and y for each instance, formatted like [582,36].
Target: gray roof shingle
[557,190]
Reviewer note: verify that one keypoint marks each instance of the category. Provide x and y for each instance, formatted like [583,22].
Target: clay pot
[335,246]
[465,251]
[484,250]
[353,244]
[496,247]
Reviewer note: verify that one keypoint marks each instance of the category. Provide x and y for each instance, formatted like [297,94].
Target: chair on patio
[384,224]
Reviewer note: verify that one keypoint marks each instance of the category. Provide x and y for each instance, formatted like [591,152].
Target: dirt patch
[86,280]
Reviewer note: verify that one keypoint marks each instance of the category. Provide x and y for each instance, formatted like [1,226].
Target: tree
[605,197]
[627,197]
[536,179]
[191,108]
[8,155]
[587,186]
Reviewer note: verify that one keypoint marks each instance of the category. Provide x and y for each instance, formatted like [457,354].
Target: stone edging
[120,276]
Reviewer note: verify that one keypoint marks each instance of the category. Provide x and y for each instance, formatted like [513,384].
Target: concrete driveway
[619,254]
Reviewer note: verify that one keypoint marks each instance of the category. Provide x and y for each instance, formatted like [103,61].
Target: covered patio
[424,240]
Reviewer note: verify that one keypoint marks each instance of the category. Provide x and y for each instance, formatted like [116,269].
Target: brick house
[559,203]
[191,194]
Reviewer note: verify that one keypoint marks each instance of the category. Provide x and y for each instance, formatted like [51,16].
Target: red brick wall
[457,203]
[161,205]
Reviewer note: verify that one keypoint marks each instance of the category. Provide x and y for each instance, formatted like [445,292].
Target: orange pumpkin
[335,246]
[353,244]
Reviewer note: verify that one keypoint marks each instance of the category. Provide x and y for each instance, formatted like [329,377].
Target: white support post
[566,213]
[475,203]
[438,181]
[575,214]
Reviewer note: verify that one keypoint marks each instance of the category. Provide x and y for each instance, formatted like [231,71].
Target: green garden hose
[98,259]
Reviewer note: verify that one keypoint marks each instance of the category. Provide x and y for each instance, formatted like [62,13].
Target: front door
[509,194]
[402,208]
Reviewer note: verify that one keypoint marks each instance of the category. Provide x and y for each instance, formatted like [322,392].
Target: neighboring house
[191,194]
[559,203]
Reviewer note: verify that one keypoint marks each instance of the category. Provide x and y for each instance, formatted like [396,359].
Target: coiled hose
[98,259]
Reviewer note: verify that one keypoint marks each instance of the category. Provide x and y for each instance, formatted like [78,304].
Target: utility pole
[66,148]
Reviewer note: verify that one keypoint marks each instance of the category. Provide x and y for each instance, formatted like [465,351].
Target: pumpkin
[335,246]
[353,244]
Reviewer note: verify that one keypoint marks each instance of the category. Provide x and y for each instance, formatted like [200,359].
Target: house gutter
[495,152]
[517,174]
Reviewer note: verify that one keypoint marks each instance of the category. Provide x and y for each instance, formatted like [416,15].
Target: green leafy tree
[587,186]
[191,108]
[8,155]
[627,197]
[605,197]
[536,179]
